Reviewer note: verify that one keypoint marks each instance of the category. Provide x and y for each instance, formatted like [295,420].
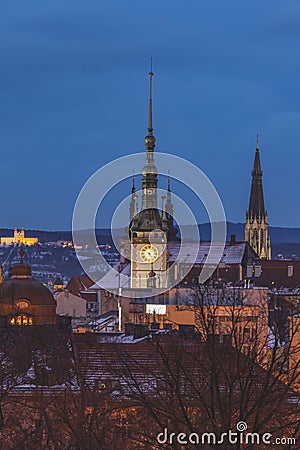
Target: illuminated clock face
[149,253]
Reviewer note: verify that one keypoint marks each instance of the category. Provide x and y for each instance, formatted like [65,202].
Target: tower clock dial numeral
[149,253]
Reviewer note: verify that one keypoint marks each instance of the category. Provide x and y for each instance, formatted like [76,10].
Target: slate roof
[192,251]
[112,280]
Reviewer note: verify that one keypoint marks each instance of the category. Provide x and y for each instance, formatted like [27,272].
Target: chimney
[232,239]
[129,328]
[186,328]
[140,330]
[64,322]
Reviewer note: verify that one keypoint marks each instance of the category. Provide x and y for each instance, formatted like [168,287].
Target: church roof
[21,286]
[14,289]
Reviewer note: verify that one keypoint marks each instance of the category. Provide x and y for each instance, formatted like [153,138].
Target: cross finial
[257,141]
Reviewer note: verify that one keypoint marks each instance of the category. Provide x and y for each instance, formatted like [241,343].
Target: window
[257,271]
[249,271]
[262,235]
[21,319]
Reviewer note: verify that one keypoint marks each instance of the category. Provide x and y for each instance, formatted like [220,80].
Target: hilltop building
[257,228]
[18,238]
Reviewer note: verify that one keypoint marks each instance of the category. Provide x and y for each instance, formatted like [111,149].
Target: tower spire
[149,172]
[133,211]
[170,213]
[150,139]
[257,204]
[150,125]
[169,205]
[256,229]
[133,189]
[149,216]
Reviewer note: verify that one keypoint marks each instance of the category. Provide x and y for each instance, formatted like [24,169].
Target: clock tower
[149,228]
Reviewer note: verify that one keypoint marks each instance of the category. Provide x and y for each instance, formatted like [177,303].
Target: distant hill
[50,259]
[287,250]
[278,234]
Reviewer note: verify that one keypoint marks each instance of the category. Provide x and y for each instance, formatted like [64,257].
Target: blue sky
[74,88]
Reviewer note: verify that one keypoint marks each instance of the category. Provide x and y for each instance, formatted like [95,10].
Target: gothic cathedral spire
[256,228]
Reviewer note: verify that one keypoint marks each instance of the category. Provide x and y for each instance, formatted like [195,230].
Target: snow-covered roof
[112,280]
[193,252]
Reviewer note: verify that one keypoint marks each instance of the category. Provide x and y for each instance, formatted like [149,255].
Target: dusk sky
[74,93]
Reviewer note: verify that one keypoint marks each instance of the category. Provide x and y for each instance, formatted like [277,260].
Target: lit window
[21,319]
